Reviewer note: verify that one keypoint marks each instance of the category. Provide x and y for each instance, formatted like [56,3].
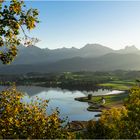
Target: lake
[64,100]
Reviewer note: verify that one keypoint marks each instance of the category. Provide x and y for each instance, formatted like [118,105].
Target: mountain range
[91,57]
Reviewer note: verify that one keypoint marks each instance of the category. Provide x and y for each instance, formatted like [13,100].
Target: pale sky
[76,23]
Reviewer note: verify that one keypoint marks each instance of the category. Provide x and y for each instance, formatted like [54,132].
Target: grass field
[111,101]
[118,85]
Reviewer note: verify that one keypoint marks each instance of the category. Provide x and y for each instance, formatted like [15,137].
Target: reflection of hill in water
[30,90]
[33,90]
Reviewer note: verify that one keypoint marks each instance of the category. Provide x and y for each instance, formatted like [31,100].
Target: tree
[14,18]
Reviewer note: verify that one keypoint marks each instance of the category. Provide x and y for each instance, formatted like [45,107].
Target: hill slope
[112,61]
[33,54]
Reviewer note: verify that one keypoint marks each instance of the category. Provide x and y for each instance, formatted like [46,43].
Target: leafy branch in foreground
[15,18]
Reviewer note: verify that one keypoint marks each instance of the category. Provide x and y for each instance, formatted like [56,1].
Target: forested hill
[92,57]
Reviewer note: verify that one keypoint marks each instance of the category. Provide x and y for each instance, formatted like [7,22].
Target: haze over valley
[91,57]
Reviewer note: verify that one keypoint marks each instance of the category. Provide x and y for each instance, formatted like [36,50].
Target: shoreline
[96,105]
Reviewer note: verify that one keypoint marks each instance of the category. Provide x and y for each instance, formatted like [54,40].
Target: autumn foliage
[28,120]
[15,18]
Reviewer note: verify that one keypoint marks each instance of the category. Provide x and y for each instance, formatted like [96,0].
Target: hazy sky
[76,23]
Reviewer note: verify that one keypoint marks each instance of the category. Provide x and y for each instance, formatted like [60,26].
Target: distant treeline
[70,80]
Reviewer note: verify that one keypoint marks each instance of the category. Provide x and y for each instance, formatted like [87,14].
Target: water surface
[64,100]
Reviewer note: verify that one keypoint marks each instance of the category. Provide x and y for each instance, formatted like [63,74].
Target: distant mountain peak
[74,48]
[92,45]
[131,48]
[97,47]
[128,49]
